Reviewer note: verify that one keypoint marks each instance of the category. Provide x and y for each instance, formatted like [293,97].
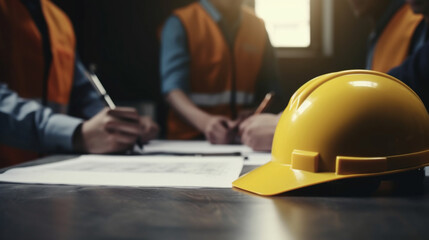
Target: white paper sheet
[170,146]
[257,159]
[204,147]
[138,171]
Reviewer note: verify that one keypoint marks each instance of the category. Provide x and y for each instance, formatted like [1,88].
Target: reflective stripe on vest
[213,61]
[210,100]
[22,62]
[393,45]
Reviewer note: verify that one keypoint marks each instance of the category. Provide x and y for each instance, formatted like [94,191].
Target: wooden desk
[76,212]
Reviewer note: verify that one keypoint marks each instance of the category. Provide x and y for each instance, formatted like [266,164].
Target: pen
[96,83]
[100,90]
[260,109]
[265,103]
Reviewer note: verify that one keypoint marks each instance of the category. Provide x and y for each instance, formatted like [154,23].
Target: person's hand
[244,114]
[217,130]
[257,131]
[149,129]
[109,131]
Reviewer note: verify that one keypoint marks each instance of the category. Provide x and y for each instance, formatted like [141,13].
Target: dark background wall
[122,39]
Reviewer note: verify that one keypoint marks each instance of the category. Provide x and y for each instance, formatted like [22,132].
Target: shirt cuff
[59,133]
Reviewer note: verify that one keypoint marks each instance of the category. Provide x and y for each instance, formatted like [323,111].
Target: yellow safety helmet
[347,124]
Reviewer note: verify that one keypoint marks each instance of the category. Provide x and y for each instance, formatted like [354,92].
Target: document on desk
[204,148]
[194,147]
[135,171]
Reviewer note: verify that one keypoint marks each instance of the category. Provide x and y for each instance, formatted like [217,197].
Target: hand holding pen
[114,128]
[262,107]
[258,130]
[217,130]
[221,130]
[109,131]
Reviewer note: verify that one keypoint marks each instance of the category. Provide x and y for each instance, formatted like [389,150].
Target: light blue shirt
[175,56]
[29,125]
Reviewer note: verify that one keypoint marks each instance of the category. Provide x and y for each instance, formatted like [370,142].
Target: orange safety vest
[214,66]
[22,62]
[393,45]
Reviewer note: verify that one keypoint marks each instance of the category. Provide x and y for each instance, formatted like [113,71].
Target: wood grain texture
[46,212]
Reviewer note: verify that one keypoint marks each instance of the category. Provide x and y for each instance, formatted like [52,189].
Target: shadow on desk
[409,183]
[324,212]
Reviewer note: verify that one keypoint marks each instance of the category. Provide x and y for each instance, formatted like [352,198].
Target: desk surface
[75,212]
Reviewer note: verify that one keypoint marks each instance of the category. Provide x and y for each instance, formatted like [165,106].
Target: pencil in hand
[263,106]
[98,86]
[268,99]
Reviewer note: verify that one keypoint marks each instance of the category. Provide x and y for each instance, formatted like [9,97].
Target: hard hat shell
[347,124]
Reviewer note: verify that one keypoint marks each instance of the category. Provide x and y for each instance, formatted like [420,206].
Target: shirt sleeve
[84,100]
[175,58]
[414,72]
[268,79]
[28,125]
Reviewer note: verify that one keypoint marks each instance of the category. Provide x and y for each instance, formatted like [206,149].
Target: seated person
[216,60]
[45,97]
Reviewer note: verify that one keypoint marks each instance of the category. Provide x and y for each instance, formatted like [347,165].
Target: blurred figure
[394,26]
[216,60]
[414,71]
[397,33]
[42,80]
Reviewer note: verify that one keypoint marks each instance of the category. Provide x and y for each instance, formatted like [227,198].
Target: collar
[391,9]
[212,11]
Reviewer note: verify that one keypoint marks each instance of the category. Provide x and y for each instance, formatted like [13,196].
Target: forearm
[180,103]
[28,125]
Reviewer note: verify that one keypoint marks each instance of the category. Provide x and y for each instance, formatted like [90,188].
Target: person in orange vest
[395,26]
[216,60]
[47,104]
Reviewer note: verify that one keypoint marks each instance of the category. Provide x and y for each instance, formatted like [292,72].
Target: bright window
[287,21]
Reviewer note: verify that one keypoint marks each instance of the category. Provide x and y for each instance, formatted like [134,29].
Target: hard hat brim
[274,178]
